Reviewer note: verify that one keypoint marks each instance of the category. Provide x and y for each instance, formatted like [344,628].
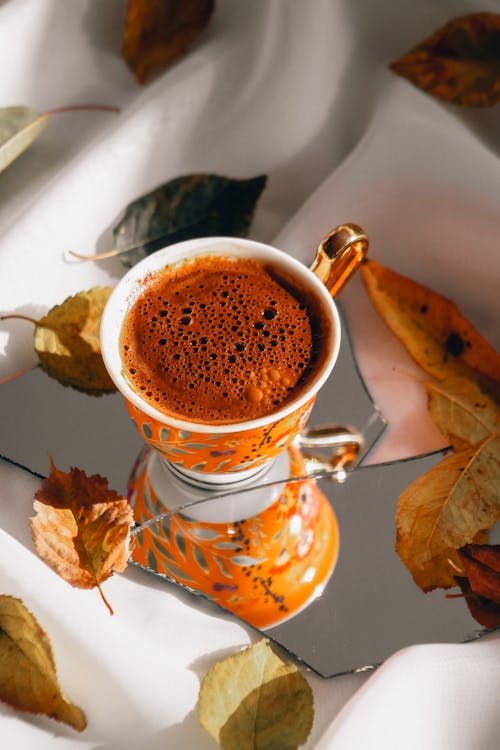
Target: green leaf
[256,701]
[198,205]
[19,126]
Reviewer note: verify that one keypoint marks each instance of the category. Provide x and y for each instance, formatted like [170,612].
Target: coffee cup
[220,453]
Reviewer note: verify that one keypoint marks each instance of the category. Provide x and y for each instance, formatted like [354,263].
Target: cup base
[264,567]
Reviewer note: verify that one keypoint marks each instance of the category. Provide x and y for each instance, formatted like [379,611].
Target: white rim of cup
[129,288]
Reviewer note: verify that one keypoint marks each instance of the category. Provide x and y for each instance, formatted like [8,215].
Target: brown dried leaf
[445,509]
[462,411]
[432,329]
[67,342]
[459,63]
[28,678]
[485,611]
[158,32]
[256,700]
[481,565]
[81,528]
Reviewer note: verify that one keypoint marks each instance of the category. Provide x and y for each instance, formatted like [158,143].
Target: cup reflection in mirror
[266,549]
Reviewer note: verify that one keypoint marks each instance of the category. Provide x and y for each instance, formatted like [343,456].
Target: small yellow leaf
[445,509]
[67,342]
[256,701]
[462,411]
[19,126]
[28,678]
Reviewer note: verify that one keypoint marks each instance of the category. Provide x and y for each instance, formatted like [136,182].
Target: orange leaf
[157,32]
[81,528]
[459,63]
[431,327]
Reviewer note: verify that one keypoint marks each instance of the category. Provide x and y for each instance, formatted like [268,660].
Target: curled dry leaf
[158,32]
[459,63]
[462,411]
[431,328]
[481,565]
[67,342]
[485,611]
[81,528]
[256,700]
[445,509]
[28,678]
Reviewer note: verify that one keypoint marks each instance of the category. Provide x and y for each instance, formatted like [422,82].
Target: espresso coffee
[221,340]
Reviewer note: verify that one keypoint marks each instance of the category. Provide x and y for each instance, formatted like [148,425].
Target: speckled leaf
[256,701]
[158,32]
[197,205]
[19,126]
[459,63]
[432,328]
[68,346]
[28,677]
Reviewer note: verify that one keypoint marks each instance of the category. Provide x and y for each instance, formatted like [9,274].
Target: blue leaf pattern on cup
[200,558]
[247,560]
[146,428]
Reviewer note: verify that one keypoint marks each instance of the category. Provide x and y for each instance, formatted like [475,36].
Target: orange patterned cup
[218,453]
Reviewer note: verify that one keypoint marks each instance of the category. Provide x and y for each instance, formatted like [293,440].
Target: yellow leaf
[67,342]
[462,411]
[254,700]
[19,126]
[445,509]
[28,678]
[81,528]
[431,327]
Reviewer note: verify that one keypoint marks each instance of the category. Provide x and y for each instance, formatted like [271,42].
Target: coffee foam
[220,340]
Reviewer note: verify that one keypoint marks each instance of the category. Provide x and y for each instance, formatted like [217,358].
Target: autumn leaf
[28,678]
[445,509]
[67,342]
[485,611]
[158,32]
[254,700]
[20,126]
[431,328]
[197,205]
[81,528]
[462,411]
[481,565]
[459,63]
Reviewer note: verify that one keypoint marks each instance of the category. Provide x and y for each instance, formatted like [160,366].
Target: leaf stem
[18,316]
[82,107]
[16,375]
[97,256]
[108,605]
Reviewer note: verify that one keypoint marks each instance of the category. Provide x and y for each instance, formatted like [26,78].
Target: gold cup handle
[338,256]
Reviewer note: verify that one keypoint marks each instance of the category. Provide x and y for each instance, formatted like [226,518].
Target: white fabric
[301,92]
